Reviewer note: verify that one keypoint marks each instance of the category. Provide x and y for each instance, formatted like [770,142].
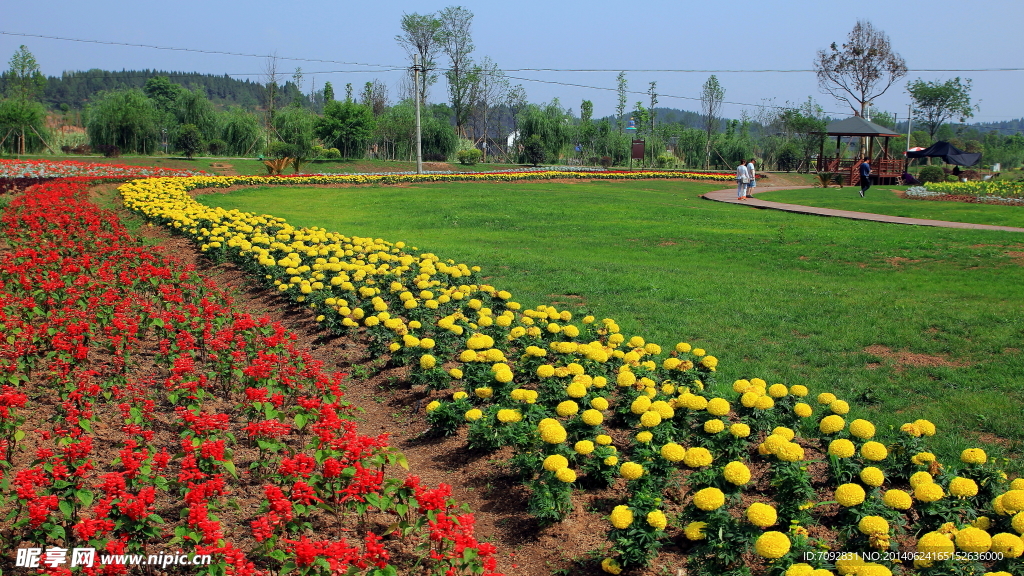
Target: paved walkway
[729,196]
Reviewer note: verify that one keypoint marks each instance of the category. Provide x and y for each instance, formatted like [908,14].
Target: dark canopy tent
[950,154]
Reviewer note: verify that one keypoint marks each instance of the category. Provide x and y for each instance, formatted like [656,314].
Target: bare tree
[375,97]
[457,43]
[620,108]
[861,70]
[271,77]
[711,97]
[421,34]
[487,92]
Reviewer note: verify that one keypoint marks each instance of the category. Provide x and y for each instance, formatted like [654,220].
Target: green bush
[931,174]
[217,147]
[666,160]
[332,154]
[469,157]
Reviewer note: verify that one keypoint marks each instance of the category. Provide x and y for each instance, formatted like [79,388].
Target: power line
[759,71]
[196,50]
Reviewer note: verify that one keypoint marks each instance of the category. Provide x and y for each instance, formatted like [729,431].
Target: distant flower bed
[73,168]
[503,176]
[983,192]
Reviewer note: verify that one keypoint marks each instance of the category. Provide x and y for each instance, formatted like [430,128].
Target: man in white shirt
[742,178]
[751,177]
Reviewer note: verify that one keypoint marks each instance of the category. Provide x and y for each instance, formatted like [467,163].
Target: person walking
[865,176]
[751,177]
[742,179]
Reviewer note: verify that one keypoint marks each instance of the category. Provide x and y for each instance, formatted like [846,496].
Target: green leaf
[19,435]
[66,508]
[402,461]
[278,555]
[86,425]
[84,496]
[230,467]
[300,421]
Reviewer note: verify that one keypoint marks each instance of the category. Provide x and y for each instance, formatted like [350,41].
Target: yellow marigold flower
[1017,484]
[625,379]
[826,398]
[553,434]
[474,414]
[650,419]
[911,430]
[764,403]
[873,525]
[599,403]
[777,390]
[545,371]
[609,565]
[621,517]
[872,476]
[584,447]
[576,390]
[840,407]
[718,406]
[785,432]
[922,458]
[862,429]
[603,439]
[1013,501]
[459,395]
[682,347]
[698,457]
[933,545]
[790,452]
[555,462]
[897,499]
[509,416]
[567,408]
[695,531]
[697,402]
[592,417]
[973,456]
[631,470]
[611,461]
[657,520]
[1009,545]
[739,430]
[850,495]
[567,475]
[434,405]
[841,448]
[663,409]
[802,409]
[1018,522]
[831,424]
[918,478]
[672,452]
[741,386]
[503,376]
[925,426]
[709,499]
[644,437]
[698,352]
[709,362]
[773,443]
[671,363]
[736,473]
[394,346]
[772,544]
[762,515]
[973,539]
[800,569]
[983,522]
[964,488]
[874,451]
[714,426]
[798,390]
[484,392]
[928,492]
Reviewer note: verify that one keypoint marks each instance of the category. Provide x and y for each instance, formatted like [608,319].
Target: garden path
[729,196]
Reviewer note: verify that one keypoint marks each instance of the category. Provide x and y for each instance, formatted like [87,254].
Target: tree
[126,119]
[295,126]
[346,126]
[190,140]
[489,89]
[24,80]
[862,70]
[457,43]
[375,97]
[192,107]
[421,35]
[22,124]
[549,123]
[163,93]
[620,108]
[328,93]
[533,150]
[711,96]
[652,92]
[241,132]
[935,102]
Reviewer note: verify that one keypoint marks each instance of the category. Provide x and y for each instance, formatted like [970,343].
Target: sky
[356,39]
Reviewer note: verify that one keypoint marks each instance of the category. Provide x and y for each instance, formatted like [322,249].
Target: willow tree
[126,119]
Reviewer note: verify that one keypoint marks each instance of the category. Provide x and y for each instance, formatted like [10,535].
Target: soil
[903,359]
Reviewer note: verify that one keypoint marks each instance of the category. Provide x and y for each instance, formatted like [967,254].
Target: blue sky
[741,35]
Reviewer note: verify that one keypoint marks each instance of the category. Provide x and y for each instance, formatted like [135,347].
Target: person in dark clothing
[865,176]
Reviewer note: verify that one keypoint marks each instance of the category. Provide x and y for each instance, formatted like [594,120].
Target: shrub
[435,157]
[971,175]
[534,151]
[470,156]
[109,150]
[666,160]
[606,161]
[332,154]
[931,174]
[281,150]
[217,147]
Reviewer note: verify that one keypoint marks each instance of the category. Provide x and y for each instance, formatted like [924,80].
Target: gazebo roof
[858,126]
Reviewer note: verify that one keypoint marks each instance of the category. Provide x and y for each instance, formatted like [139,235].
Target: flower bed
[772,475]
[997,192]
[140,414]
[72,168]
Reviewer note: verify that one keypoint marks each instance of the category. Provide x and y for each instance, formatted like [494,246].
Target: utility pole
[419,139]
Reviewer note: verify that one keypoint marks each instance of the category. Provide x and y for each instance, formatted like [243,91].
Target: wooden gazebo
[884,167]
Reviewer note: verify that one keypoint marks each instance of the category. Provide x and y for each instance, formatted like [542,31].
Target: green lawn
[883,200]
[785,297]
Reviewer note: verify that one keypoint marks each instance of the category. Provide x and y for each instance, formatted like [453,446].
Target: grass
[785,297]
[884,200]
